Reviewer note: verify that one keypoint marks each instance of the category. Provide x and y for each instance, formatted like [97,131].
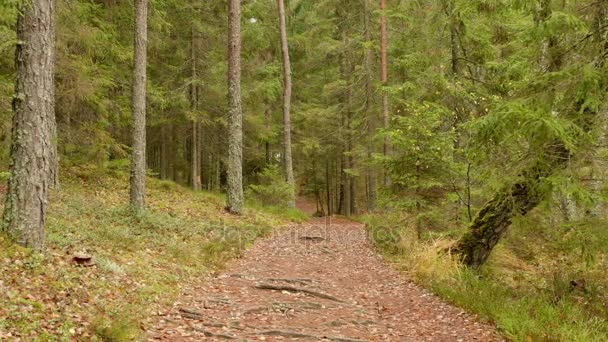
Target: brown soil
[315,281]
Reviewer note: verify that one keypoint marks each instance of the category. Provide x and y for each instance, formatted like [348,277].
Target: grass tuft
[141,259]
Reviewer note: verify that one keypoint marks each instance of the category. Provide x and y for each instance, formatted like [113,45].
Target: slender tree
[195,172]
[33,151]
[138,157]
[384,73]
[235,134]
[371,115]
[288,163]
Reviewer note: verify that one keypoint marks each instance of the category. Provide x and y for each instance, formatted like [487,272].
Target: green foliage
[528,300]
[140,258]
[423,148]
[273,189]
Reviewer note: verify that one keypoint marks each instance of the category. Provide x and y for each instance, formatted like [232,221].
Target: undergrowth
[140,260]
[540,284]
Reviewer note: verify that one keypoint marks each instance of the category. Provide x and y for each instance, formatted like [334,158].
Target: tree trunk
[288,163]
[455,48]
[235,203]
[372,193]
[267,115]
[384,74]
[328,188]
[163,152]
[33,151]
[138,158]
[496,216]
[217,184]
[195,173]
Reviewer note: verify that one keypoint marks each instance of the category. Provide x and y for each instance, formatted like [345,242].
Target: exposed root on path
[208,333]
[288,288]
[337,289]
[294,334]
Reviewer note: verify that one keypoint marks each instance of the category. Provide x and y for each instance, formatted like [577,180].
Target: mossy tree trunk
[496,216]
[493,220]
[33,155]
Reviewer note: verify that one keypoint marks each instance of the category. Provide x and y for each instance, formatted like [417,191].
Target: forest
[331,170]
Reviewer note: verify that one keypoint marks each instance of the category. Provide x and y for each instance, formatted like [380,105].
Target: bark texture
[33,155]
[138,156]
[288,161]
[372,188]
[384,74]
[235,203]
[195,172]
[496,216]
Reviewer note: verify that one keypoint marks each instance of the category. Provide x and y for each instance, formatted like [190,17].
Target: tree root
[208,333]
[312,238]
[302,281]
[263,286]
[294,334]
[191,313]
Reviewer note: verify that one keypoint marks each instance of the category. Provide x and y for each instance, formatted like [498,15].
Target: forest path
[317,281]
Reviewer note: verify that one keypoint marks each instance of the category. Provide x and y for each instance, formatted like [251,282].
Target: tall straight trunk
[163,152]
[173,150]
[217,183]
[138,157]
[195,172]
[455,25]
[235,203]
[267,115]
[328,188]
[372,192]
[287,160]
[384,75]
[33,151]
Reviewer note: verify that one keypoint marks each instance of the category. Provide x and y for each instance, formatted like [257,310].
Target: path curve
[321,281]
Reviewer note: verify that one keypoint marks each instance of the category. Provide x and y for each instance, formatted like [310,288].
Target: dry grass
[141,260]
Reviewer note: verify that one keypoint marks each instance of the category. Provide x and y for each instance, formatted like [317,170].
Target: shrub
[272,188]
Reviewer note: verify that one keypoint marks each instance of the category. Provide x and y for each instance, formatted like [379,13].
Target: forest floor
[318,280]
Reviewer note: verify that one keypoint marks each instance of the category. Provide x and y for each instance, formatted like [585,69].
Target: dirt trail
[315,281]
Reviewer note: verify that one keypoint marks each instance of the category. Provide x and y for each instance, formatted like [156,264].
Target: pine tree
[138,158]
[286,101]
[235,133]
[33,150]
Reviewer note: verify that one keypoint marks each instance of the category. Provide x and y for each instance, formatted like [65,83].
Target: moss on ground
[140,260]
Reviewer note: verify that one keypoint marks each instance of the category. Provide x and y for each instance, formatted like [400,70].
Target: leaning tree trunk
[235,135]
[286,103]
[496,216]
[493,220]
[33,151]
[138,157]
